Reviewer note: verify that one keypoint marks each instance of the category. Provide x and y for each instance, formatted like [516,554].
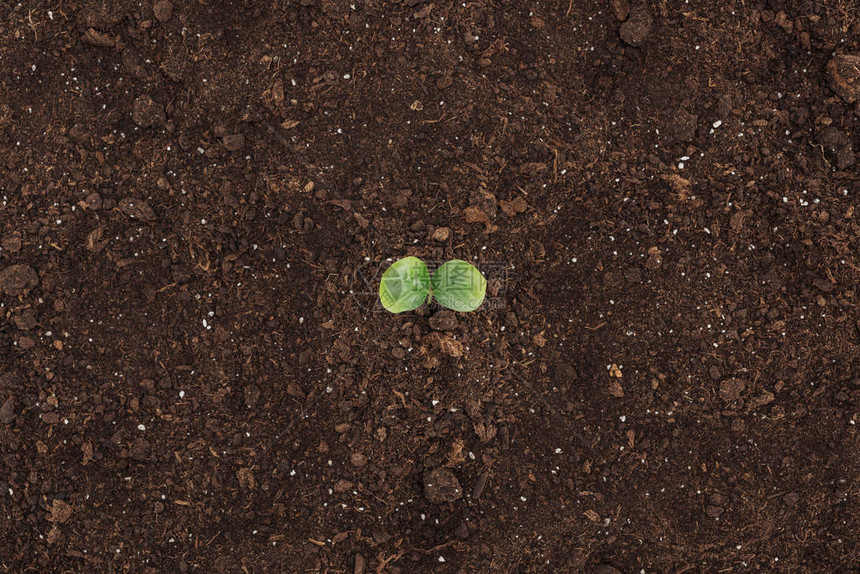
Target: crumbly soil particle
[636,29]
[441,485]
[17,279]
[844,72]
[196,203]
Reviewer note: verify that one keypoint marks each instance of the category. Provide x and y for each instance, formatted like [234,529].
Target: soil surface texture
[197,200]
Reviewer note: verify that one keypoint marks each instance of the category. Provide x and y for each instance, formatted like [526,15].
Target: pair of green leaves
[407,284]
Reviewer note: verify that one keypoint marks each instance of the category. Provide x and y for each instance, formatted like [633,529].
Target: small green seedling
[407,284]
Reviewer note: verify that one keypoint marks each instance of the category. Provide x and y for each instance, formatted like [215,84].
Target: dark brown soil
[196,199]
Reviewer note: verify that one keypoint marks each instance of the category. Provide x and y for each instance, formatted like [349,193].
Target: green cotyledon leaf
[458,285]
[405,285]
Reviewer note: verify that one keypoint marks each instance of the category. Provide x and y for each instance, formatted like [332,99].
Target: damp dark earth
[198,200]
